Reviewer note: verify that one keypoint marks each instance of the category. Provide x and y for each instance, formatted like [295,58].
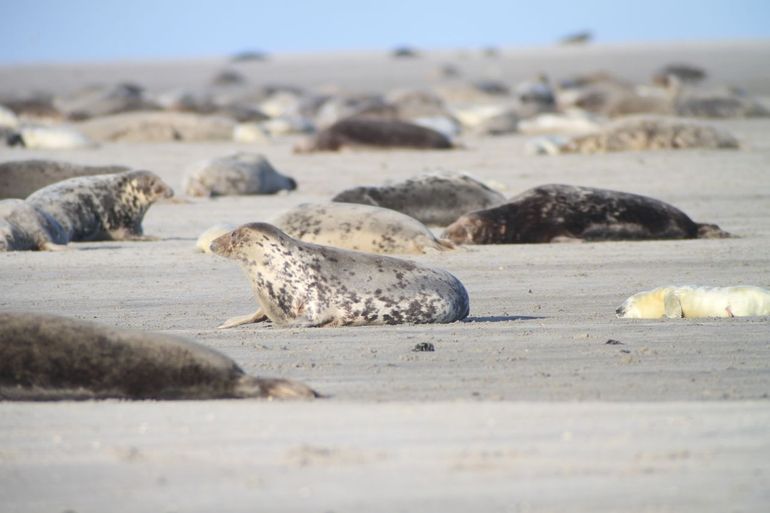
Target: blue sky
[85,30]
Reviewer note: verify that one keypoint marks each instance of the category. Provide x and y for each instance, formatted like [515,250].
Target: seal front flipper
[50,246]
[271,388]
[257,316]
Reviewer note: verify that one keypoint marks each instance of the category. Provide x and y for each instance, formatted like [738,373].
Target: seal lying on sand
[23,228]
[241,173]
[20,178]
[643,133]
[381,133]
[45,137]
[359,227]
[435,198]
[553,213]
[693,302]
[158,127]
[101,207]
[302,284]
[47,357]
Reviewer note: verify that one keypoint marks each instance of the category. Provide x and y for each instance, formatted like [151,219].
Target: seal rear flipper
[270,388]
[257,316]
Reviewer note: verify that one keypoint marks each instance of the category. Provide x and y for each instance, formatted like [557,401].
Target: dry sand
[523,408]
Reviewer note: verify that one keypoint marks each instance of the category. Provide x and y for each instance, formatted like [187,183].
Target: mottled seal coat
[302,284]
[24,228]
[47,357]
[101,207]
[434,198]
[693,302]
[370,132]
[20,178]
[556,212]
[648,133]
[359,227]
[144,126]
[241,173]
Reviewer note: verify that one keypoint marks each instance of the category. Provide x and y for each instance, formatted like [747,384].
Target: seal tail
[272,388]
[445,245]
[711,231]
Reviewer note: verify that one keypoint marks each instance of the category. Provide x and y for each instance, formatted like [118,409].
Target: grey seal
[241,173]
[556,212]
[640,133]
[89,208]
[432,198]
[20,178]
[302,284]
[47,357]
[359,227]
[374,132]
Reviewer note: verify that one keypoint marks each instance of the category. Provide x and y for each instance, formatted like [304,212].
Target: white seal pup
[45,137]
[431,198]
[558,212]
[360,228]
[302,284]
[101,207]
[47,357]
[241,173]
[20,178]
[203,244]
[693,302]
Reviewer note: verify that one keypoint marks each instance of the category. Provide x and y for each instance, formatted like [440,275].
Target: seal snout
[620,311]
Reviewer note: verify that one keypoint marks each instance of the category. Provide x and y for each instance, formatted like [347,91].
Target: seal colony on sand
[89,208]
[241,173]
[642,133]
[302,284]
[693,302]
[47,357]
[372,132]
[555,213]
[433,198]
[20,178]
[360,228]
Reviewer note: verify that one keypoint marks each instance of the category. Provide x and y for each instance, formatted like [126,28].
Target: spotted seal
[431,198]
[241,173]
[24,228]
[639,133]
[557,212]
[694,302]
[359,227]
[89,208]
[374,132]
[20,178]
[303,284]
[47,357]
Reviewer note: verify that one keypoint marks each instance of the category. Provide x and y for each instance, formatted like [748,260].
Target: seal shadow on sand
[501,318]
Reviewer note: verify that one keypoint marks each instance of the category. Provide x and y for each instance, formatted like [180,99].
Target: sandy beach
[523,407]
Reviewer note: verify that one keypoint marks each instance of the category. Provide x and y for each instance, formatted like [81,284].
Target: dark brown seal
[375,132]
[47,357]
[552,213]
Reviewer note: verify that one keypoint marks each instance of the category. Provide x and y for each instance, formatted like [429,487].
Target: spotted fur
[304,284]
